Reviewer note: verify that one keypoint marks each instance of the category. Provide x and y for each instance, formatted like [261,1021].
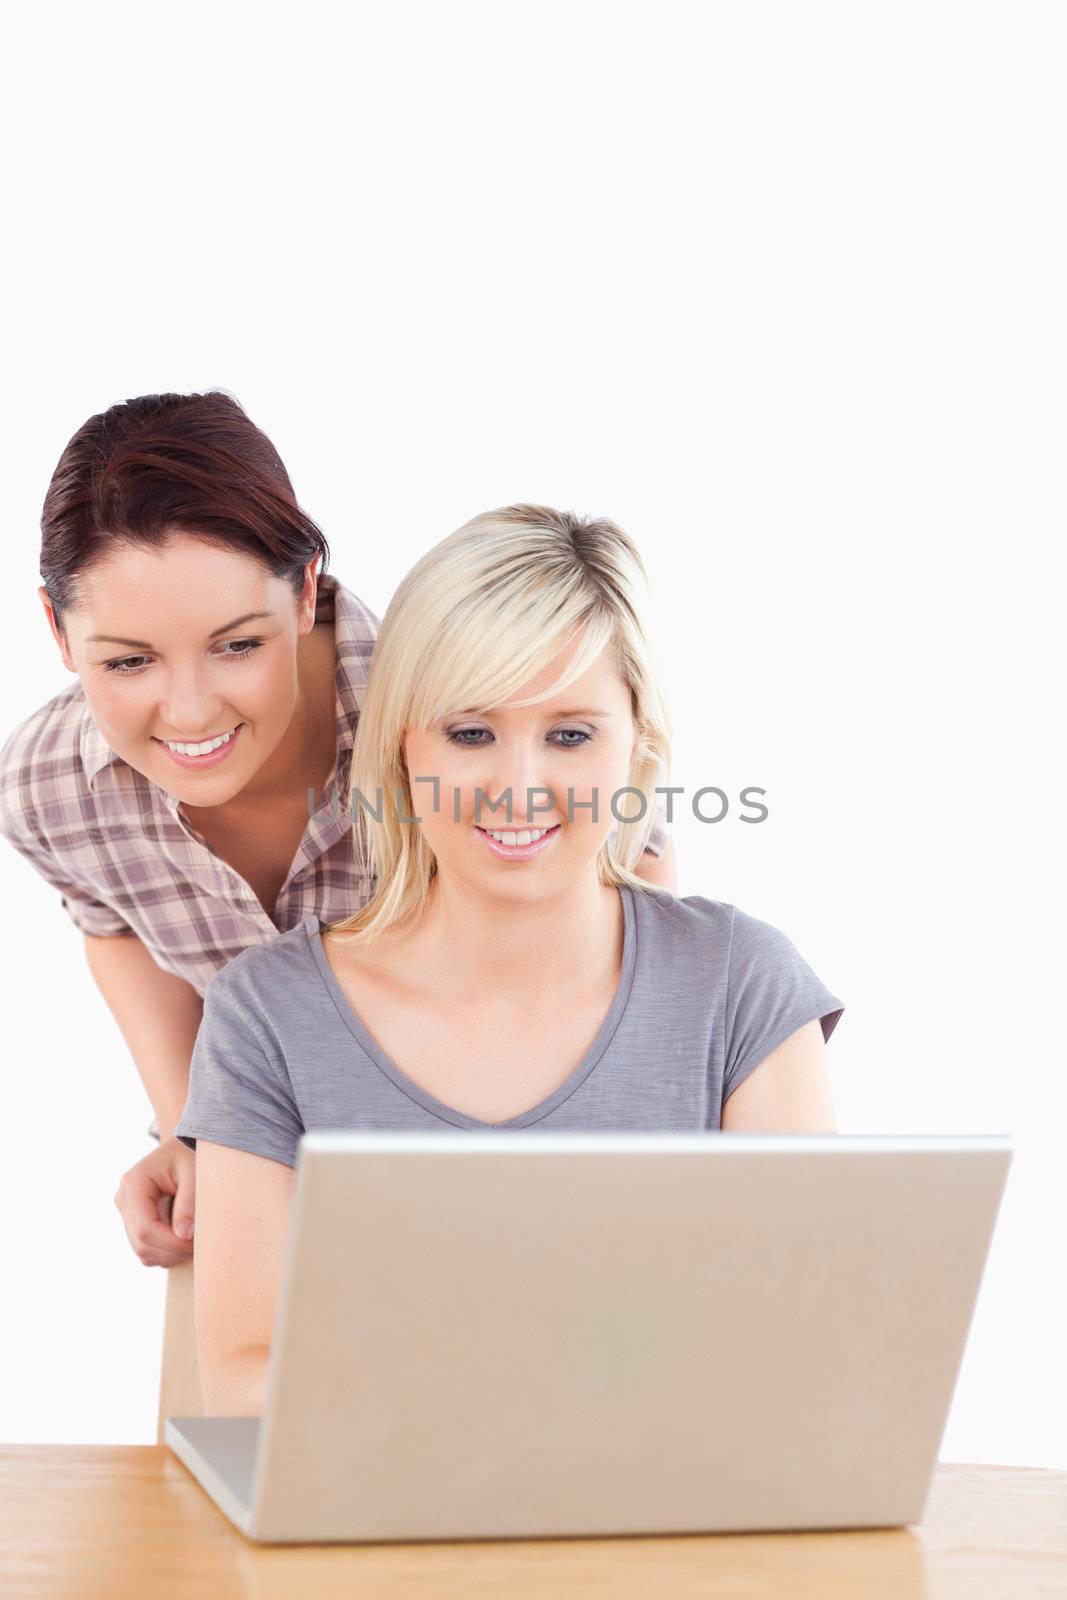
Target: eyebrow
[584,711]
[141,644]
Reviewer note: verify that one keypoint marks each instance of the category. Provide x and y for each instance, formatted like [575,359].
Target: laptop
[501,1335]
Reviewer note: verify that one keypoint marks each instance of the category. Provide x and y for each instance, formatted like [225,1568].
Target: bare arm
[158,1016]
[243,1204]
[789,1092]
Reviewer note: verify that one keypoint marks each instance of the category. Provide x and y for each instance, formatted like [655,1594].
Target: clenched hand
[156,1200]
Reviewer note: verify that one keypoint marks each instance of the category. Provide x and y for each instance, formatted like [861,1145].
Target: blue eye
[456,736]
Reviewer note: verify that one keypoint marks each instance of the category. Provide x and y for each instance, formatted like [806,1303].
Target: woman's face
[183,644]
[579,741]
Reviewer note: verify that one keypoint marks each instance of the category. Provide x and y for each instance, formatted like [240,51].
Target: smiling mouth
[203,748]
[513,837]
[528,842]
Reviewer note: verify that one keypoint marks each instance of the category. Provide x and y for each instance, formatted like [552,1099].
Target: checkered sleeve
[88,913]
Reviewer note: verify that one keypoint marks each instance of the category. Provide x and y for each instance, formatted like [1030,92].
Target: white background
[781,289]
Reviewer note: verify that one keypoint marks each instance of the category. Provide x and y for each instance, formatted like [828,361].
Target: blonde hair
[475,619]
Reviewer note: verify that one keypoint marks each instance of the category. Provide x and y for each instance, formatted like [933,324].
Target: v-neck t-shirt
[705,993]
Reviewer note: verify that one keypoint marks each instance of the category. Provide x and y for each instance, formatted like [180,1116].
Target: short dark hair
[166,463]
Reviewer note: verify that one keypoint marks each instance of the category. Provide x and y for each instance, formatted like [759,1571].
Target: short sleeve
[239,1090]
[93,916]
[771,992]
[88,914]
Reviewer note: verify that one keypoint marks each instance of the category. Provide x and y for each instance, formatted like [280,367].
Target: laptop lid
[485,1335]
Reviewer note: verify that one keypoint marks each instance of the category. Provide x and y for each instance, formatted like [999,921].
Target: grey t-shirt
[705,994]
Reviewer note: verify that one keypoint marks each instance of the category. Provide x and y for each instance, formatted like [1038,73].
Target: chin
[209,789]
[521,889]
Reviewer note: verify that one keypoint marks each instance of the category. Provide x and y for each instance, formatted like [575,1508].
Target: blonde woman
[511,970]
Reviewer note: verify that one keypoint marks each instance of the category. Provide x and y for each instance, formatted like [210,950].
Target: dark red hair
[167,463]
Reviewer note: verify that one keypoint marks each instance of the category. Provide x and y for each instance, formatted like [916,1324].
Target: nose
[189,707]
[520,769]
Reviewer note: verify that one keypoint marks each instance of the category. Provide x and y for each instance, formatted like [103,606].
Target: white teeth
[527,836]
[199,749]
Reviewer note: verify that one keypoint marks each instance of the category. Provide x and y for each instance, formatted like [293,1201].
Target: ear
[58,636]
[309,598]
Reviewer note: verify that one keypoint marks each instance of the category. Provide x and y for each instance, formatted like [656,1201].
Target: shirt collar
[95,752]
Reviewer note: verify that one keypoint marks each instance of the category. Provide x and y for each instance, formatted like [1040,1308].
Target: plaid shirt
[124,859]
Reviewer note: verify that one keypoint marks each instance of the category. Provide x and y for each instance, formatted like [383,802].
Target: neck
[520,952]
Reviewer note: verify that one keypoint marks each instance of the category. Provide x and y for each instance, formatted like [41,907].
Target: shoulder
[354,621]
[53,731]
[355,632]
[41,761]
[716,928]
[681,923]
[263,979]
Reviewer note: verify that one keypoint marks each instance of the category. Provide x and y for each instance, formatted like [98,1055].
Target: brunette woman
[181,794]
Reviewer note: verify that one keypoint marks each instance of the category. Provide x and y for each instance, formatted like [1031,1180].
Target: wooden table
[125,1522]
